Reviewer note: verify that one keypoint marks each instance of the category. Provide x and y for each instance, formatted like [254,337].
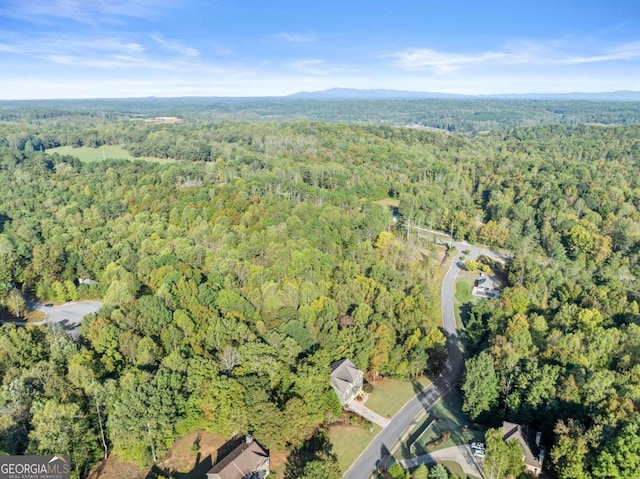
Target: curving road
[379,450]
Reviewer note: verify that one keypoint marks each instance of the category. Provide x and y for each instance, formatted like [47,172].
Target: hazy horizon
[72,49]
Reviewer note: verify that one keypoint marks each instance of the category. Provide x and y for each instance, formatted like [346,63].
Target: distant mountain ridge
[357,94]
[381,94]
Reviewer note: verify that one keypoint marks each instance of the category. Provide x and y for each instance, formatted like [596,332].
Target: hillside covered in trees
[231,280]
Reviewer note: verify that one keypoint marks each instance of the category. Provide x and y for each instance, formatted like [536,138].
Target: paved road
[461,454]
[380,448]
[68,315]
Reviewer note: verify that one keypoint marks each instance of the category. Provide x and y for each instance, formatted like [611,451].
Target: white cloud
[110,61]
[626,51]
[212,80]
[520,53]
[445,62]
[105,52]
[34,45]
[41,11]
[175,46]
[292,37]
[310,65]
[314,66]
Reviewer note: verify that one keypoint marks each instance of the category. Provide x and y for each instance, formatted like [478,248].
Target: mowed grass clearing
[456,471]
[390,203]
[463,300]
[349,441]
[89,155]
[463,291]
[389,395]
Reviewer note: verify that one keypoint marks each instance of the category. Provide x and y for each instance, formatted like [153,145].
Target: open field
[349,442]
[89,155]
[390,203]
[190,457]
[389,395]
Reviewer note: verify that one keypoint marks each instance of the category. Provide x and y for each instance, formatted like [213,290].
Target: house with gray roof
[346,380]
[530,441]
[247,461]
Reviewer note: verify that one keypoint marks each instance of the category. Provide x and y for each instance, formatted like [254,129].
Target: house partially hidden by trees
[247,461]
[346,380]
[530,441]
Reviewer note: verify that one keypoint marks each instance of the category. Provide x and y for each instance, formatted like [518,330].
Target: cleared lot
[68,315]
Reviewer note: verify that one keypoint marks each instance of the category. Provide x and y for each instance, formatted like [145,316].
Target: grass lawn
[446,416]
[456,471]
[349,442]
[389,395]
[88,155]
[389,202]
[32,317]
[463,290]
[449,417]
[35,316]
[463,300]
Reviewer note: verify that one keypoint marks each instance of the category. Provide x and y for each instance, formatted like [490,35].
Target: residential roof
[343,374]
[526,437]
[240,462]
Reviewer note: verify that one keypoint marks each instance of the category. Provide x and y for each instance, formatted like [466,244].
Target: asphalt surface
[379,450]
[461,454]
[68,315]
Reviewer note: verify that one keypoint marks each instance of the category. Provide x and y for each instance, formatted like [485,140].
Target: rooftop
[526,437]
[343,374]
[240,462]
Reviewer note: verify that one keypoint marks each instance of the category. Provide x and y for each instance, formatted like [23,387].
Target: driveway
[461,454]
[68,315]
[371,416]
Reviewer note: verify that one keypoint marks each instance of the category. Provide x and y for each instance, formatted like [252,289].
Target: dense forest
[233,278]
[465,116]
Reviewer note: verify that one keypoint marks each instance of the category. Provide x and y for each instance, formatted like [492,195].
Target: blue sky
[113,48]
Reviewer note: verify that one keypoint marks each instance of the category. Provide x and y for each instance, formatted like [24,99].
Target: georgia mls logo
[35,467]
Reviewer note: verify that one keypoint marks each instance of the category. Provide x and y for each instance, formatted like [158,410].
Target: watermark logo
[35,467]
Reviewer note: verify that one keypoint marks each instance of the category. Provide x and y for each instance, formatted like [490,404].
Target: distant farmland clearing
[88,154]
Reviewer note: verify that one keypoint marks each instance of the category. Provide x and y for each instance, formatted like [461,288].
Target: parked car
[478,445]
